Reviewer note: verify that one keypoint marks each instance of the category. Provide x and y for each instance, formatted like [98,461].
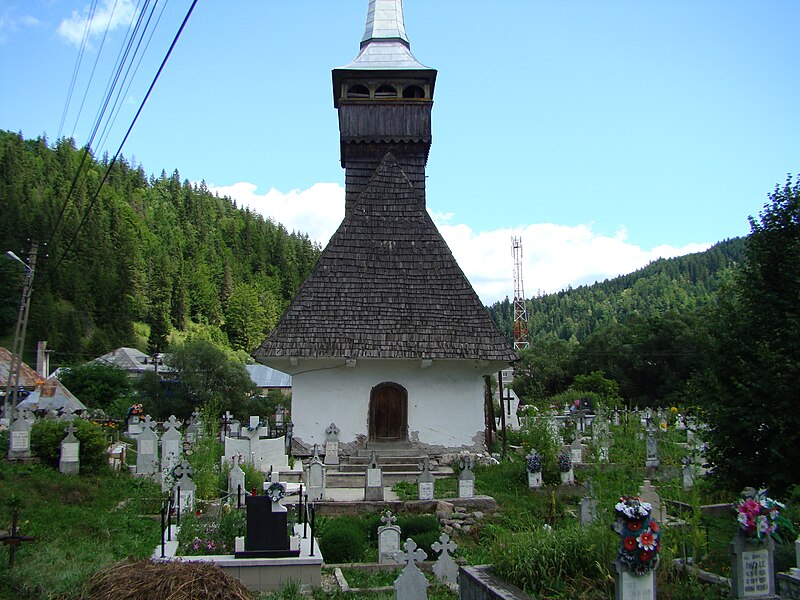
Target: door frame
[374,399]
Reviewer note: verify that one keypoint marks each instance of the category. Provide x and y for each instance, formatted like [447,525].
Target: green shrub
[205,460]
[46,438]
[536,434]
[339,542]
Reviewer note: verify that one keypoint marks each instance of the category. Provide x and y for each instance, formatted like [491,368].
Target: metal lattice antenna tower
[520,312]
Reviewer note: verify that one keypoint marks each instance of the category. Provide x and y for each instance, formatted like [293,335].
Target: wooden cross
[13,539]
[411,555]
[388,518]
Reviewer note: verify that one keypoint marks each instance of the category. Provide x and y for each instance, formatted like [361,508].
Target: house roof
[28,378]
[267,377]
[387,286]
[52,394]
[132,360]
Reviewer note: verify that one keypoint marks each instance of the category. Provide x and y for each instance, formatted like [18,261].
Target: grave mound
[144,580]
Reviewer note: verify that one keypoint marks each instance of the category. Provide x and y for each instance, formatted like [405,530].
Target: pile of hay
[144,580]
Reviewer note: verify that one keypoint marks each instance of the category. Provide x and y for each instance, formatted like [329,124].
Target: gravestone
[425,483]
[652,461]
[147,449]
[315,482]
[533,464]
[279,416]
[649,493]
[635,587]
[373,482]
[388,539]
[753,575]
[19,439]
[170,451]
[588,510]
[134,427]
[185,489]
[192,432]
[332,445]
[603,448]
[687,473]
[789,583]
[267,526]
[466,479]
[69,461]
[236,482]
[576,448]
[411,584]
[445,568]
[565,466]
[225,430]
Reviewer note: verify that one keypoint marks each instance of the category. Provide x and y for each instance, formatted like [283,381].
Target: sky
[603,134]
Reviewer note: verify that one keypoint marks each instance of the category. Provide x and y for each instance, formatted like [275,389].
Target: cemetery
[617,526]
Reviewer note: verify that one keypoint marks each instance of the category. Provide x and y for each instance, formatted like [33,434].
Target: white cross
[411,555]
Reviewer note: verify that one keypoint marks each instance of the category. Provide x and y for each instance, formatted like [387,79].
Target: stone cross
[388,518]
[332,445]
[172,423]
[19,441]
[146,448]
[445,568]
[411,584]
[466,479]
[315,482]
[652,461]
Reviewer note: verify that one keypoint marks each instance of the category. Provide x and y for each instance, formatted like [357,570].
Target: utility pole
[12,385]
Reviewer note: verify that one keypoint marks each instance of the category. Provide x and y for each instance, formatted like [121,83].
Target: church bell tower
[384,98]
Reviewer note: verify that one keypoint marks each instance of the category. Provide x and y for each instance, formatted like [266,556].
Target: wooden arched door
[388,413]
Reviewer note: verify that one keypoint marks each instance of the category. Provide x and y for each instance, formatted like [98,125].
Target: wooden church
[386,337]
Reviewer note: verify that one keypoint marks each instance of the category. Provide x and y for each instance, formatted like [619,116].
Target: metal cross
[13,539]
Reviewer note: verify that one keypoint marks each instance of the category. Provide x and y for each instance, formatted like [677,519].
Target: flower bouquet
[564,462]
[640,536]
[759,516]
[533,462]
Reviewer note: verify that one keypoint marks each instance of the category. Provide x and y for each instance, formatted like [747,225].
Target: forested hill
[679,284]
[146,250]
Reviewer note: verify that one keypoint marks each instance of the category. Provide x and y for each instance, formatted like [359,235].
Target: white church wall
[445,400]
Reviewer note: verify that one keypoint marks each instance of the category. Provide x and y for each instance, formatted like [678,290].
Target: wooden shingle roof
[387,286]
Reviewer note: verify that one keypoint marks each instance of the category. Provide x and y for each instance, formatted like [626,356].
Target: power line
[127,134]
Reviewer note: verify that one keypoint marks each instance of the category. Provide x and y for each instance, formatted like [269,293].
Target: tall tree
[751,385]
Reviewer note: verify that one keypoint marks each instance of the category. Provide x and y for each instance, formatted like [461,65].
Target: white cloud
[316,211]
[554,256]
[112,15]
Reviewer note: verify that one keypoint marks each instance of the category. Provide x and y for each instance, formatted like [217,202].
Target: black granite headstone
[267,531]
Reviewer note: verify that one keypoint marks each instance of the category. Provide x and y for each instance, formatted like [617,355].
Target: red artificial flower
[634,525]
[655,526]
[647,540]
[645,555]
[629,543]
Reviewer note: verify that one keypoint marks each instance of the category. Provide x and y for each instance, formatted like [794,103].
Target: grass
[81,524]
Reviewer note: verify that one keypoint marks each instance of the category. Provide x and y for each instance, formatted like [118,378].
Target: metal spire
[385,22]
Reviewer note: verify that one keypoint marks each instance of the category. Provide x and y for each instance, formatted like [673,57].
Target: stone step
[385,467]
[411,459]
[346,479]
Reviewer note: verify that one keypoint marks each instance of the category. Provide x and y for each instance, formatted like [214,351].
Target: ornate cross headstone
[445,568]
[147,448]
[411,584]
[332,445]
[315,482]
[388,539]
[373,483]
[69,461]
[425,482]
[170,450]
[227,420]
[466,479]
[185,488]
[192,431]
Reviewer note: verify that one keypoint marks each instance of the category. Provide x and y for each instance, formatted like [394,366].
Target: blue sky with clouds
[605,134]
